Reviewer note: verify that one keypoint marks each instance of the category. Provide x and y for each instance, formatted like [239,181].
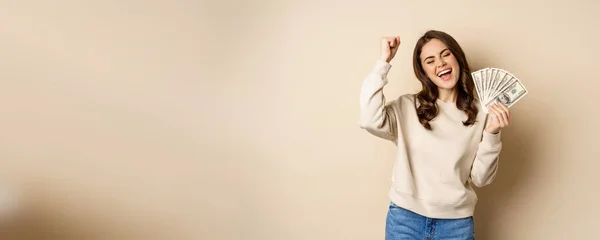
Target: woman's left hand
[500,118]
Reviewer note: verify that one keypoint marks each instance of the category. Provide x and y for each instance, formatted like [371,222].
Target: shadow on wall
[43,213]
[514,169]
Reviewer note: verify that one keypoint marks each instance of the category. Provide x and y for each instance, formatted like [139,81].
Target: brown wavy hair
[427,108]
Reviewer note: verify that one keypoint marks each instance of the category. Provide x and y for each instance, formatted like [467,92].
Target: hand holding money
[497,90]
[499,117]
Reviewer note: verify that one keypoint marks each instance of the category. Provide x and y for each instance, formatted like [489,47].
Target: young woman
[445,142]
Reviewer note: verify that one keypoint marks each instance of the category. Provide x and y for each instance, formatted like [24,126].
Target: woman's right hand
[389,47]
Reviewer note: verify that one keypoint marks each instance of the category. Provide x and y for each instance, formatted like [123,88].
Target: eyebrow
[445,49]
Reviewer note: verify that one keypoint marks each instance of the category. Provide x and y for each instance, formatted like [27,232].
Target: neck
[447,95]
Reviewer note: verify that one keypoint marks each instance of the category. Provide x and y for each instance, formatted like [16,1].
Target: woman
[444,141]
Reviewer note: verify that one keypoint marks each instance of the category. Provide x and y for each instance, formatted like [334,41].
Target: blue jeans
[404,224]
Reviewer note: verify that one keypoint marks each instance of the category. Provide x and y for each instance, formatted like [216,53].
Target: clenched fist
[389,47]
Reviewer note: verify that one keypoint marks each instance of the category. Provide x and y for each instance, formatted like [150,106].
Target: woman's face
[439,64]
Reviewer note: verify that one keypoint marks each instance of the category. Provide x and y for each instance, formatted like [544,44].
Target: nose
[442,63]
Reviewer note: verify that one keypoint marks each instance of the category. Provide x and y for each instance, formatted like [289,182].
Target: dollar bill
[477,82]
[510,95]
[486,81]
[492,74]
[478,79]
[499,84]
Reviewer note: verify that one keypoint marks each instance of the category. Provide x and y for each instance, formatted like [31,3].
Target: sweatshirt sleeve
[485,165]
[377,116]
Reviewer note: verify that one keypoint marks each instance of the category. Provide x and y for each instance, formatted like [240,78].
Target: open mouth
[446,74]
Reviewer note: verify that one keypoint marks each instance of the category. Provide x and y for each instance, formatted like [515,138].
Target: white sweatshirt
[433,169]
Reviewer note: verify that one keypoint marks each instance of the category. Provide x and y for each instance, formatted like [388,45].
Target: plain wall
[239,120]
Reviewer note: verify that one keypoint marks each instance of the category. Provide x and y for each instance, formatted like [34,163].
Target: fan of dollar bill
[496,85]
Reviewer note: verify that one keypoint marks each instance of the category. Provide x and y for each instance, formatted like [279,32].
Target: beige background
[239,120]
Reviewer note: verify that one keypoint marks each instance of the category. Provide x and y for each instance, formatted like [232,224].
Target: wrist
[494,132]
[491,140]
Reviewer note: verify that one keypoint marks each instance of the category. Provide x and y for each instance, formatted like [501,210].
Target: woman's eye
[429,62]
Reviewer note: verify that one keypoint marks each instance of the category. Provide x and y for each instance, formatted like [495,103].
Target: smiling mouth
[445,75]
